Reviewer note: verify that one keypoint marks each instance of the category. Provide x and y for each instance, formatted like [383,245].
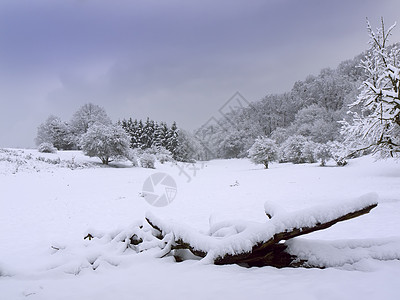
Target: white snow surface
[46,208]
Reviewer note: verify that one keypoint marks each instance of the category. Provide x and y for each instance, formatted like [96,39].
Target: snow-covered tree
[133,133]
[159,135]
[317,123]
[172,143]
[190,148]
[235,144]
[292,150]
[134,130]
[139,135]
[280,135]
[106,142]
[375,114]
[164,132]
[55,132]
[148,133]
[86,116]
[263,151]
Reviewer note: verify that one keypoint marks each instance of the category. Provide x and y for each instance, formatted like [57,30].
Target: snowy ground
[51,201]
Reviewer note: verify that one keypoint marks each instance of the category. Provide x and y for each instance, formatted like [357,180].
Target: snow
[47,209]
[350,254]
[241,236]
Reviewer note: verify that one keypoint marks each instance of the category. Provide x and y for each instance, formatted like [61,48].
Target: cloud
[170,60]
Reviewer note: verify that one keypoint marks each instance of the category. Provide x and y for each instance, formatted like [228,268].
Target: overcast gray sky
[169,60]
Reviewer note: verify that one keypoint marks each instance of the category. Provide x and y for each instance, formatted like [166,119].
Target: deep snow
[46,206]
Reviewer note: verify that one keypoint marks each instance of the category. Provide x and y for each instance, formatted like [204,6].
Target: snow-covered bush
[56,161]
[323,153]
[339,152]
[309,148]
[133,156]
[263,151]
[106,142]
[47,148]
[147,160]
[161,153]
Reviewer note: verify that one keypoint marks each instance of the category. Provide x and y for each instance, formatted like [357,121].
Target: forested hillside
[311,109]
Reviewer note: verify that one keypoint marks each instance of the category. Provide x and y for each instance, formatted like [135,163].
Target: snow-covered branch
[258,244]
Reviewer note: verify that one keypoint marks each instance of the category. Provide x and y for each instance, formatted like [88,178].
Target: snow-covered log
[259,244]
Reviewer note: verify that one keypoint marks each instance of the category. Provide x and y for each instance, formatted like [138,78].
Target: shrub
[147,160]
[133,156]
[308,151]
[339,153]
[47,148]
[323,153]
[161,153]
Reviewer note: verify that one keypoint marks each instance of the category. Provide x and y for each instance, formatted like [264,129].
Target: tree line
[91,130]
[144,135]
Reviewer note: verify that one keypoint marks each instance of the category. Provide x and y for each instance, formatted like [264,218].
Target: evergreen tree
[159,137]
[130,128]
[135,135]
[172,140]
[139,135]
[164,134]
[147,134]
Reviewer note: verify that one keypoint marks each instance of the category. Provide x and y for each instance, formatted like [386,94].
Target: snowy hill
[48,204]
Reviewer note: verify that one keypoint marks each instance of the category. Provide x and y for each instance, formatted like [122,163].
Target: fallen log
[273,253]
[260,244]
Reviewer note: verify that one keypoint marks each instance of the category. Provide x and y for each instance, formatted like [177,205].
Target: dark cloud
[170,60]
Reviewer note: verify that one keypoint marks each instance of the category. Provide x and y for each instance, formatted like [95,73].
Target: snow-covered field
[50,201]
